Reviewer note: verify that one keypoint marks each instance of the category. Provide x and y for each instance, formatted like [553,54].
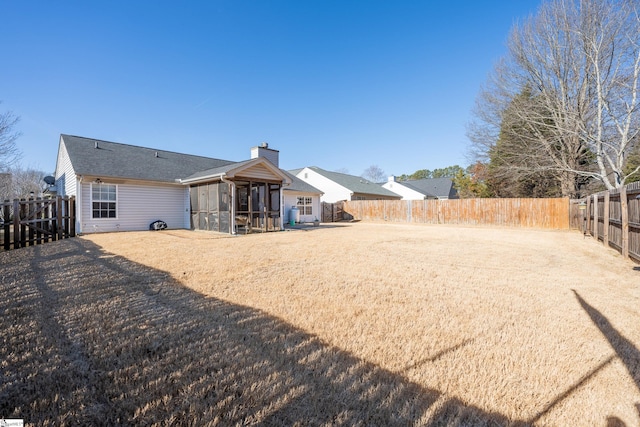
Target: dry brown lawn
[350,324]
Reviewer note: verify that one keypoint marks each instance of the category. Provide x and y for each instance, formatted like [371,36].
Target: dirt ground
[344,324]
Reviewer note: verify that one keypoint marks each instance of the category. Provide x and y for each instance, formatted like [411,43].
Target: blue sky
[335,84]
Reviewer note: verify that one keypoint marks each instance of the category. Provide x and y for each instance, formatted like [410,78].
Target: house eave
[206,178]
[86,178]
[237,173]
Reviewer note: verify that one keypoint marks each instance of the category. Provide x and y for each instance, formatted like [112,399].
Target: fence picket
[623,224]
[36,221]
[535,213]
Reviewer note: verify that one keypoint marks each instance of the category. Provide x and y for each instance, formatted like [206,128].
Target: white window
[305,205]
[104,200]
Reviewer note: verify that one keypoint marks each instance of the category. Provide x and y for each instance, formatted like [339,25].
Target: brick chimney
[263,150]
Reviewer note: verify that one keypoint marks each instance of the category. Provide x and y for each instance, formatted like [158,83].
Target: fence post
[65,201]
[7,225]
[37,217]
[595,216]
[46,216]
[53,214]
[24,212]
[588,213]
[424,211]
[30,213]
[624,210]
[605,217]
[16,223]
[59,218]
[72,217]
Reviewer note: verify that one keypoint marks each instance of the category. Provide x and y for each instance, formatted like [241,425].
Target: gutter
[219,176]
[282,220]
[78,204]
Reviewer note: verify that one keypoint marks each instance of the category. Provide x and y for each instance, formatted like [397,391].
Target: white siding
[333,192]
[65,175]
[291,200]
[138,206]
[405,192]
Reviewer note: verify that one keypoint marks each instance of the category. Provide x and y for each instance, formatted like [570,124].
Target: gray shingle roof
[299,185]
[112,159]
[434,187]
[355,184]
[215,171]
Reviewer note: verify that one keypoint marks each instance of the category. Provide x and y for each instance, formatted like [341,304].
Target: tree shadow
[94,339]
[570,390]
[437,356]
[626,351]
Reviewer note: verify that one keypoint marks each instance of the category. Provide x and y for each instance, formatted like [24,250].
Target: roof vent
[96,144]
[157,154]
[264,145]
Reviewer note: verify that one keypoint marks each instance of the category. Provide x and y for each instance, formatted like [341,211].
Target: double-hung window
[305,205]
[104,200]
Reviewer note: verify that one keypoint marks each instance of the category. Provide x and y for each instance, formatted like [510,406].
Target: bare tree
[374,173]
[21,183]
[565,98]
[9,152]
[5,185]
[26,182]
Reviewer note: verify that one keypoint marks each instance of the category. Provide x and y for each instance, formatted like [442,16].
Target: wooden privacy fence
[613,217]
[534,213]
[28,222]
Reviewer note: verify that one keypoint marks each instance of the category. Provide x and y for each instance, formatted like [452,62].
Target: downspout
[78,204]
[232,192]
[282,220]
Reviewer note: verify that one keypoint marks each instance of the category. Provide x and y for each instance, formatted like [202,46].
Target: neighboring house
[126,187]
[339,186]
[419,189]
[303,196]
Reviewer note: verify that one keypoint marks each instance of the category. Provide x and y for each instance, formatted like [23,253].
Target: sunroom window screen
[103,198]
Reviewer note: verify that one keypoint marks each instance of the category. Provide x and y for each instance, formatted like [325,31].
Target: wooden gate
[334,212]
[28,222]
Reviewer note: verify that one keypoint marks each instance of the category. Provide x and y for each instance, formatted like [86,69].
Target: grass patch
[365,324]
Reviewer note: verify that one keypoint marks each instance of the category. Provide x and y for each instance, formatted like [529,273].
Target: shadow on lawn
[625,350]
[94,339]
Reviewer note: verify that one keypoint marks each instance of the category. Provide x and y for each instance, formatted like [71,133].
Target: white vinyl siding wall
[137,207]
[65,175]
[291,200]
[333,192]
[406,193]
